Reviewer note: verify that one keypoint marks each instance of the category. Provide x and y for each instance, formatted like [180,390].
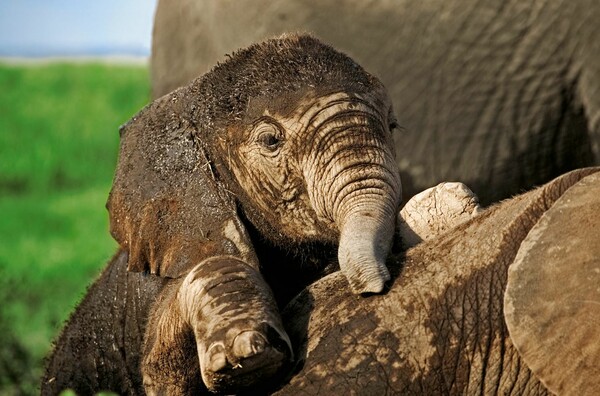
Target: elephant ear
[552,300]
[166,208]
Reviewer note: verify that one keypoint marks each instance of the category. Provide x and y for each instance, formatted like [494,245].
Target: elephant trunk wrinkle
[365,241]
[356,187]
[343,111]
[347,165]
[371,184]
[364,211]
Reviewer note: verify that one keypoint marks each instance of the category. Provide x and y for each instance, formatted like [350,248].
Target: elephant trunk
[366,232]
[359,191]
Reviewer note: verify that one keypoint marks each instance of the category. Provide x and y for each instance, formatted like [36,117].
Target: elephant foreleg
[224,311]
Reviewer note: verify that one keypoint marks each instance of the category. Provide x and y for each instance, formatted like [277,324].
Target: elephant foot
[253,358]
[434,211]
[219,330]
[240,338]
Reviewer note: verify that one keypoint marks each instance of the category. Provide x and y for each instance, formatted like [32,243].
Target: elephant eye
[268,140]
[270,137]
[392,121]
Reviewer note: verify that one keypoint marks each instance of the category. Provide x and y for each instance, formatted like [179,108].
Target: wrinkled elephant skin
[441,329]
[553,293]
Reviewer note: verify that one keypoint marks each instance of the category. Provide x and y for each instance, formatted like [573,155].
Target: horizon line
[117,59]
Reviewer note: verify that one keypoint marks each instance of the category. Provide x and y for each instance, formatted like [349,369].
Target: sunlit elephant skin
[446,325]
[500,95]
[94,353]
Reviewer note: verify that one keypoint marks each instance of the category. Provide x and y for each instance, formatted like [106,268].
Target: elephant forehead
[313,110]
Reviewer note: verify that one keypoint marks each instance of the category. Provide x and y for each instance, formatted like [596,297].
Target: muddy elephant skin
[439,329]
[499,95]
[442,327]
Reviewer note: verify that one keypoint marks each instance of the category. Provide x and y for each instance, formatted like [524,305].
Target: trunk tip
[369,279]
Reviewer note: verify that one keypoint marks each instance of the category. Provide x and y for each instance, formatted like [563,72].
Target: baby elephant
[261,166]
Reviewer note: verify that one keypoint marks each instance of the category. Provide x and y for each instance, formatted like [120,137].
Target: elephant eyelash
[392,121]
[269,135]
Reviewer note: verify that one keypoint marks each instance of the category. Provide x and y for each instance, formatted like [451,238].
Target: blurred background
[71,72]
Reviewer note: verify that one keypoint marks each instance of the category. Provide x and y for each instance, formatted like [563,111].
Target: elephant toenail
[217,359]
[249,343]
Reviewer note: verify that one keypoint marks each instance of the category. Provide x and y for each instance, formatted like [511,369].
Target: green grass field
[58,148]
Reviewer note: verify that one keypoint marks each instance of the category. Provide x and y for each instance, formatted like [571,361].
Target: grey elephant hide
[499,95]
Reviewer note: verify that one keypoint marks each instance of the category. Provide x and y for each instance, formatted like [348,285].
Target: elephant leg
[224,312]
[169,364]
[435,211]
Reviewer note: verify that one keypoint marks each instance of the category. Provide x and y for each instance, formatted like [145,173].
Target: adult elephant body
[499,95]
[504,304]
[446,325]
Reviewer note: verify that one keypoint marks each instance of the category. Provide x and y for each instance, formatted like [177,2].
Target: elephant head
[319,166]
[298,132]
[287,136]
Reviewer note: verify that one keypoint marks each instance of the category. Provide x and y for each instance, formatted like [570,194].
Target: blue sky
[75,27]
